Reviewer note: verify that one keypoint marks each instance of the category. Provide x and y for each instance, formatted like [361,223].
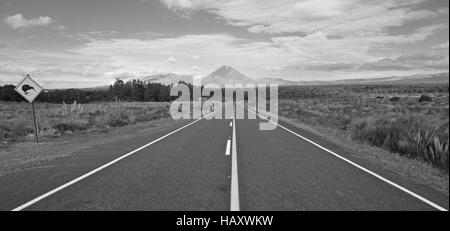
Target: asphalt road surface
[215,164]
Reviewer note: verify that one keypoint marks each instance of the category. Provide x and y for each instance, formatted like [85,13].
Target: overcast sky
[86,43]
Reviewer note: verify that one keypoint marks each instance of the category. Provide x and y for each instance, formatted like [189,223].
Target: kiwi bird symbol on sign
[26,88]
[29,89]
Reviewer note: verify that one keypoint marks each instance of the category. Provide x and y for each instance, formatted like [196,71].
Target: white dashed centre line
[227,150]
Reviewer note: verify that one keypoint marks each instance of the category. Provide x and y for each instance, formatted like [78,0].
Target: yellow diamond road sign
[29,88]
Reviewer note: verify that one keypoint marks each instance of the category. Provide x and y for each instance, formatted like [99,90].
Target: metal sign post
[35,124]
[29,89]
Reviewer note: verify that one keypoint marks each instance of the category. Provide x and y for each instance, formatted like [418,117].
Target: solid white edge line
[234,198]
[227,150]
[432,204]
[43,196]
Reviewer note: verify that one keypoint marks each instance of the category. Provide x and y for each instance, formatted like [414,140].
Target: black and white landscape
[351,112]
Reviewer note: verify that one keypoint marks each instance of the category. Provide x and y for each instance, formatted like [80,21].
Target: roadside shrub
[425,98]
[358,130]
[117,117]
[4,132]
[20,127]
[71,125]
[394,138]
[49,132]
[74,109]
[427,146]
[395,99]
[15,129]
[373,133]
[404,136]
[439,153]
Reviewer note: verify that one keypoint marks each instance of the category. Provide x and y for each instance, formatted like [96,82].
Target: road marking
[43,196]
[432,204]
[227,150]
[231,124]
[234,201]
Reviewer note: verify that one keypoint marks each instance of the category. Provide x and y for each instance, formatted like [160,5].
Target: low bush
[425,98]
[119,117]
[71,125]
[406,136]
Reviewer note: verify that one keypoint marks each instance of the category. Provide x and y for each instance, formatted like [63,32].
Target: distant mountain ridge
[229,75]
[439,78]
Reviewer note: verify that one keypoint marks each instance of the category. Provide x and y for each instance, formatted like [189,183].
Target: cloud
[335,17]
[53,69]
[171,59]
[431,60]
[273,68]
[313,56]
[154,55]
[179,4]
[317,10]
[17,21]
[330,67]
[286,56]
[442,46]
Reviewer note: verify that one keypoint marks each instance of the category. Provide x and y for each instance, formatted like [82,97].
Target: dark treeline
[137,90]
[132,90]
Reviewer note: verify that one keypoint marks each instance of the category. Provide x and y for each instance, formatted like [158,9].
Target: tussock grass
[16,122]
[408,126]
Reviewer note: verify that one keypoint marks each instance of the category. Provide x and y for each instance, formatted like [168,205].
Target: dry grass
[407,125]
[54,120]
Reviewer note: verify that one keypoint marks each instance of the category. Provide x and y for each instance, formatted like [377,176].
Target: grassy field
[412,121]
[16,123]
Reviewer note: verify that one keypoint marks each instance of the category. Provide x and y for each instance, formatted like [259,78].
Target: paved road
[191,169]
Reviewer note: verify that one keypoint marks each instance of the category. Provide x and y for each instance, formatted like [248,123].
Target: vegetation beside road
[411,121]
[54,120]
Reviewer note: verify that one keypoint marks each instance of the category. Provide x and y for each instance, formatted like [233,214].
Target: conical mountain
[227,75]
